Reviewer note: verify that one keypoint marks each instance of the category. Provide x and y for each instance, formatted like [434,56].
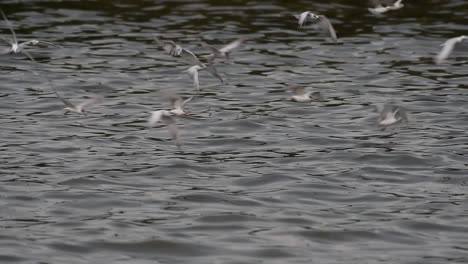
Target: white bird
[324,23]
[177,51]
[166,117]
[390,114]
[79,108]
[193,72]
[300,95]
[447,48]
[224,51]
[15,46]
[303,17]
[169,46]
[381,6]
[177,104]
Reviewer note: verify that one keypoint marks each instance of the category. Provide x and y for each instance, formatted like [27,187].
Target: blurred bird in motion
[323,23]
[447,48]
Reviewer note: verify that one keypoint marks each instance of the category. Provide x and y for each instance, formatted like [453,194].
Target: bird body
[381,6]
[224,51]
[324,23]
[301,96]
[390,115]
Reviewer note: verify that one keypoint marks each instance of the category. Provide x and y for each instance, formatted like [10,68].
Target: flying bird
[177,104]
[224,51]
[447,48]
[167,118]
[300,94]
[177,51]
[324,23]
[378,7]
[15,46]
[390,115]
[77,108]
[169,46]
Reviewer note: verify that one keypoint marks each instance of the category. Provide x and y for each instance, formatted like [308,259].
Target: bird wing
[6,41]
[214,50]
[193,72]
[190,57]
[398,4]
[231,46]
[169,121]
[89,102]
[65,101]
[27,55]
[211,69]
[48,43]
[187,100]
[155,117]
[176,102]
[446,50]
[302,18]
[9,26]
[326,25]
[297,89]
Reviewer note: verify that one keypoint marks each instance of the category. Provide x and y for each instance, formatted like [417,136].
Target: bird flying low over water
[224,51]
[167,118]
[15,46]
[378,7]
[177,104]
[303,96]
[390,115]
[324,23]
[447,48]
[78,108]
[176,50]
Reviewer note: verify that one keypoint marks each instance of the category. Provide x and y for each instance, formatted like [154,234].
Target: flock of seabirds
[388,114]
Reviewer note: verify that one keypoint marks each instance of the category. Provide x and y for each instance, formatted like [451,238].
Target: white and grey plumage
[324,23]
[78,108]
[447,48]
[303,96]
[15,46]
[169,46]
[390,115]
[176,50]
[224,51]
[378,7]
[193,73]
[177,104]
[167,118]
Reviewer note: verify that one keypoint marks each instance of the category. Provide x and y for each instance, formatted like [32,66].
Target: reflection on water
[260,178]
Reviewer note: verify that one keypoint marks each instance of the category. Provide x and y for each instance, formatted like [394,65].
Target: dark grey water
[261,179]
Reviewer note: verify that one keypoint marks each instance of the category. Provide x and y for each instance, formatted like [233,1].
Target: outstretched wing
[447,49]
[211,69]
[89,102]
[190,58]
[214,50]
[10,26]
[327,26]
[65,101]
[187,100]
[155,117]
[6,41]
[297,89]
[193,72]
[302,18]
[233,45]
